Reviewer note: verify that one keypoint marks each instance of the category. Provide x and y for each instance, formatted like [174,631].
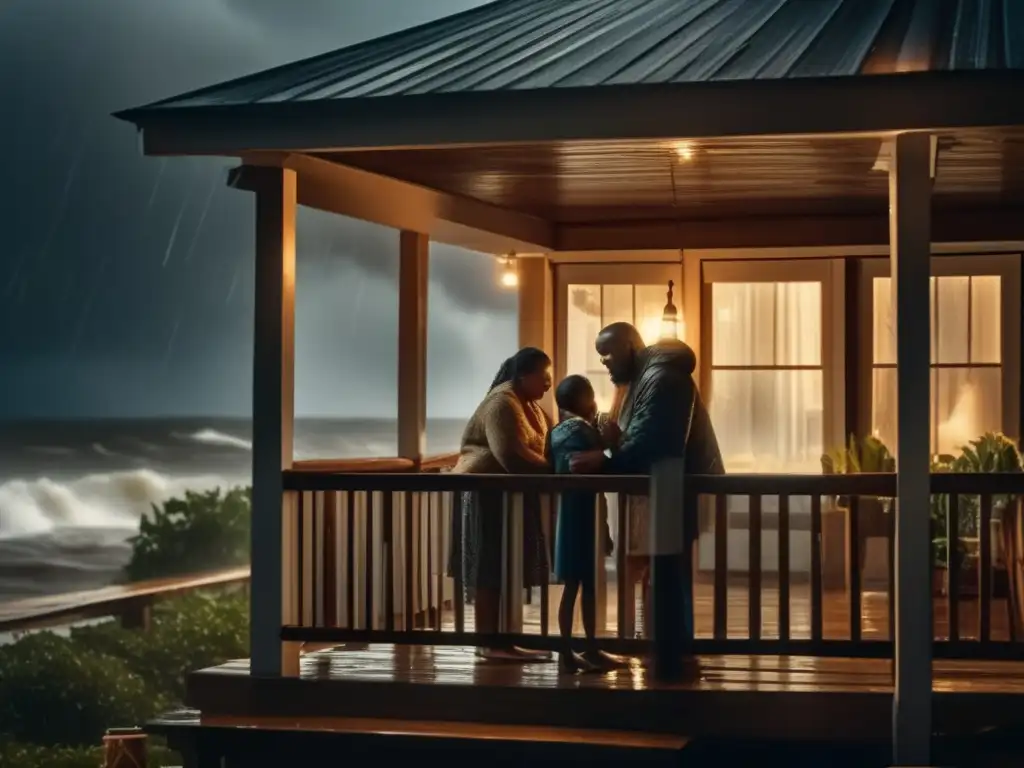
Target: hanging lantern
[670,317]
[509,274]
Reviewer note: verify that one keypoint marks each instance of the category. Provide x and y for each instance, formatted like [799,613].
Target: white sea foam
[114,500]
[213,437]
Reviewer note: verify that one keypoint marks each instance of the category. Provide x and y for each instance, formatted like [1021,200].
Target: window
[967,355]
[767,373]
[591,297]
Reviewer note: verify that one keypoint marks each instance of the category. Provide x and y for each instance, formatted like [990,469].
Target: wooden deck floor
[737,696]
[874,613]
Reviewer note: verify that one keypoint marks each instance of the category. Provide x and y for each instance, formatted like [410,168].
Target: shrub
[188,633]
[17,755]
[55,691]
[200,532]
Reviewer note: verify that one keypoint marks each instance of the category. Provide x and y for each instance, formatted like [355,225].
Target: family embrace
[659,415]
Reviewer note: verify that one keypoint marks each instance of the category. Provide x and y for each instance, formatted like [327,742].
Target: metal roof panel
[543,44]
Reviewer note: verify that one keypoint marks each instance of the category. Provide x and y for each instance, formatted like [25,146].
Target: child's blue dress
[574,536]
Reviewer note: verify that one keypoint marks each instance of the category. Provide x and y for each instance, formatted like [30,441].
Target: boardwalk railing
[371,555]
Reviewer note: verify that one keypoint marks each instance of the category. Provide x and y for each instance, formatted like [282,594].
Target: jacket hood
[672,354]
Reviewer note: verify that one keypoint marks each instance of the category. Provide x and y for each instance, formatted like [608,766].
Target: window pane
[650,307]
[965,403]
[768,421]
[798,323]
[582,324]
[743,319]
[883,325]
[951,313]
[617,304]
[986,319]
[968,403]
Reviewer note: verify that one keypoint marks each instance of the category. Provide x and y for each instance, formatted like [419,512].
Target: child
[574,538]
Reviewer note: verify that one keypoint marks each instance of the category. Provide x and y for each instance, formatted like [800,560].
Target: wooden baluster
[891,597]
[300,561]
[624,587]
[721,622]
[853,556]
[408,603]
[953,566]
[784,618]
[549,509]
[439,533]
[369,609]
[429,616]
[985,569]
[816,617]
[350,560]
[330,559]
[754,569]
[388,540]
[454,503]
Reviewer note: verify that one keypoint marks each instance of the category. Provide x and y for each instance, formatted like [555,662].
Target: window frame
[1007,267]
[622,273]
[827,271]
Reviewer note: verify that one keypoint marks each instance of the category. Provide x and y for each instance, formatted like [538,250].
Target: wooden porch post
[412,345]
[413,269]
[536,329]
[272,602]
[910,260]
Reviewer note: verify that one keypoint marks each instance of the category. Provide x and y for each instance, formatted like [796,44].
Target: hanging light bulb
[509,273]
[670,317]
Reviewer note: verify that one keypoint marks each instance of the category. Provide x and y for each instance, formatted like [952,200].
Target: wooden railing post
[910,256]
[272,420]
[669,564]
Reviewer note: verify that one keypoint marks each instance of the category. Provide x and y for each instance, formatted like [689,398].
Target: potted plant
[992,452]
[868,455]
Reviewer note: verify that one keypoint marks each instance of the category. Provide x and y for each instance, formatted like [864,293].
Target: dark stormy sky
[126,282]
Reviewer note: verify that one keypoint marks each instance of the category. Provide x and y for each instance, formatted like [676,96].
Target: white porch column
[412,345]
[273,543]
[910,256]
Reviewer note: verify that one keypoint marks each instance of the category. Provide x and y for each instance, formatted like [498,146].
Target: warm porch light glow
[684,151]
[670,317]
[509,273]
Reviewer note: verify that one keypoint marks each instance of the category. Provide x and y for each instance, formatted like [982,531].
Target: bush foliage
[60,692]
[200,532]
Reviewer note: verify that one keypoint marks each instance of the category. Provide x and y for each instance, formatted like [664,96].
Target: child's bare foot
[572,663]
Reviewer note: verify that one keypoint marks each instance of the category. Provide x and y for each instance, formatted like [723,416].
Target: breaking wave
[213,437]
[114,500]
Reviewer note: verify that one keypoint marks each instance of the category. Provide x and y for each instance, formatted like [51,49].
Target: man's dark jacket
[664,416]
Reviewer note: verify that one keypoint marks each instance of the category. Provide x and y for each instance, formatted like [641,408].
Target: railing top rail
[50,610]
[374,465]
[863,484]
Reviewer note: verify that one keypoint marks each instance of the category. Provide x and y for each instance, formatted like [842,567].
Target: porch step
[267,740]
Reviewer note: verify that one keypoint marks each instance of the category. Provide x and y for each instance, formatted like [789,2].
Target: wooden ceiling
[716,179]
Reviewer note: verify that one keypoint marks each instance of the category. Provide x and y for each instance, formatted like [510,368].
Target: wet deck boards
[738,696]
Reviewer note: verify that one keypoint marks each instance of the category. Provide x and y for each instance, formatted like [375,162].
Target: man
[662,416]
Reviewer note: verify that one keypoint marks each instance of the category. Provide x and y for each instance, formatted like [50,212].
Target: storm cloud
[126,282]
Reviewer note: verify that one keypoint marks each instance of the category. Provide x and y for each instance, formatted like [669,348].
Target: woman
[506,435]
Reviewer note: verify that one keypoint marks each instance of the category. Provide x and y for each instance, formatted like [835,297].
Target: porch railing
[371,554]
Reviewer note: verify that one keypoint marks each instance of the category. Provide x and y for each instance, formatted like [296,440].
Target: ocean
[72,493]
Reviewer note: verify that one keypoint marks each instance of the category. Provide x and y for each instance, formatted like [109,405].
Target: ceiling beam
[401,205]
[954,226]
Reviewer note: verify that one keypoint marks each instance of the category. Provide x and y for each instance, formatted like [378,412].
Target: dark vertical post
[910,181]
[668,566]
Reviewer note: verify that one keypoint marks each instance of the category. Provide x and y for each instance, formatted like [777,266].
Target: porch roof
[536,70]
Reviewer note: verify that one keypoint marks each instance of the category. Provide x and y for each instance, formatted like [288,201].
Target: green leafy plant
[868,455]
[18,755]
[200,532]
[53,691]
[992,452]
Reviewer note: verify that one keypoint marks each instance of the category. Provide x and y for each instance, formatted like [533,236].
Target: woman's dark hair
[526,361]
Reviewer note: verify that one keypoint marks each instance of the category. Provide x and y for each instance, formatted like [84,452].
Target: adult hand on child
[586,462]
[611,432]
